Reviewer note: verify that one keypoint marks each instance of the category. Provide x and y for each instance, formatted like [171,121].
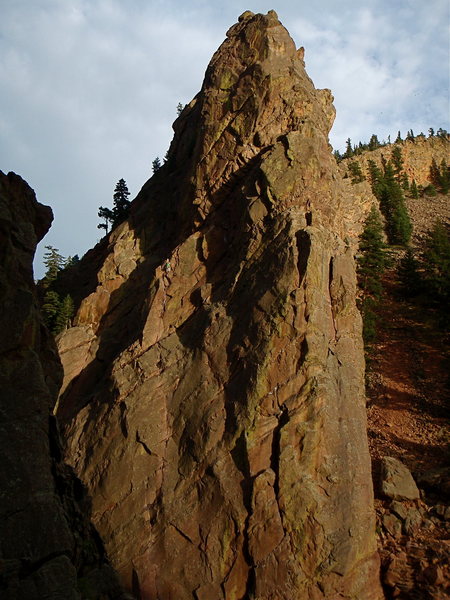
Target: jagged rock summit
[213,401]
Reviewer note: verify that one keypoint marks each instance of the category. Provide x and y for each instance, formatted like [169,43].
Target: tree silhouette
[156,164]
[120,210]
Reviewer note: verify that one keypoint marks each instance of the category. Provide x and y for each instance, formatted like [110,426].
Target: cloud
[378,67]
[90,87]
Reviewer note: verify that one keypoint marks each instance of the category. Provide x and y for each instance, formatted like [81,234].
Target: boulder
[396,480]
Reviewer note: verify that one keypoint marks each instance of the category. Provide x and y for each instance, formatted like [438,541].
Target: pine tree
[393,207]
[54,262]
[348,149]
[374,143]
[50,309]
[435,174]
[404,182]
[180,108]
[376,178]
[444,177]
[65,313]
[56,313]
[437,263]
[371,265]
[355,172]
[398,139]
[430,190]
[121,204]
[413,189]
[397,161]
[408,274]
[108,216]
[121,207]
[156,164]
[337,155]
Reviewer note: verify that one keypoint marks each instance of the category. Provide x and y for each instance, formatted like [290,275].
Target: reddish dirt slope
[408,412]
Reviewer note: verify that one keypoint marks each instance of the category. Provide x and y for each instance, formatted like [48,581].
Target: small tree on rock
[156,164]
[120,210]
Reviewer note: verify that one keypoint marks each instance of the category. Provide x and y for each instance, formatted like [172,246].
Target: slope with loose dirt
[408,413]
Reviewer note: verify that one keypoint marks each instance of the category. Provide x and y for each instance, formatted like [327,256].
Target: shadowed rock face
[215,410]
[48,549]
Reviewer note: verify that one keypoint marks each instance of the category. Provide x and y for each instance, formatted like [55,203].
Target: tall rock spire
[213,401]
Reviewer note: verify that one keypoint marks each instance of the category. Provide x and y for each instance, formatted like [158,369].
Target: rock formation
[48,549]
[213,398]
[417,155]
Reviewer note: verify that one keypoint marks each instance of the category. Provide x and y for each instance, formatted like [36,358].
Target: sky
[89,88]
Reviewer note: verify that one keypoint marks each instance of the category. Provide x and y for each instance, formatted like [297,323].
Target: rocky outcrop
[417,154]
[48,548]
[213,400]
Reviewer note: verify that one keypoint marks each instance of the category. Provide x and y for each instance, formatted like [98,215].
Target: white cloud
[90,87]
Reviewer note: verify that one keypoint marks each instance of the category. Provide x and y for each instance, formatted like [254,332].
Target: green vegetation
[370,268]
[356,173]
[413,189]
[426,275]
[436,260]
[393,207]
[121,208]
[408,274]
[156,164]
[374,143]
[57,313]
[53,262]
[387,189]
[56,308]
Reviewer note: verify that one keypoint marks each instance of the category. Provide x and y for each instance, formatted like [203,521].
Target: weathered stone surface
[396,480]
[47,546]
[215,410]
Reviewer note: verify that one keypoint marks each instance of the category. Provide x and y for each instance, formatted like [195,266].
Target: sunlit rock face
[213,401]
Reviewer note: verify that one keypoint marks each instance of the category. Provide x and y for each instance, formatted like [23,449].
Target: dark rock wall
[48,549]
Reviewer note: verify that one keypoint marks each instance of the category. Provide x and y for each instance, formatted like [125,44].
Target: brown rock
[434,574]
[412,522]
[392,525]
[396,480]
[216,410]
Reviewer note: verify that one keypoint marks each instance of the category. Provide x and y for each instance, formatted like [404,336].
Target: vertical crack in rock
[251,462]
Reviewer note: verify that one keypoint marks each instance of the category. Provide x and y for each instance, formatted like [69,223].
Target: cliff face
[48,548]
[417,155]
[213,400]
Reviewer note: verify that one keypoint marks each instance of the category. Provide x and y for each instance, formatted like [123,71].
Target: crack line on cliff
[146,448]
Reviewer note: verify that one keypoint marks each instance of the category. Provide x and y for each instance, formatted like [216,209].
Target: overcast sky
[89,88]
